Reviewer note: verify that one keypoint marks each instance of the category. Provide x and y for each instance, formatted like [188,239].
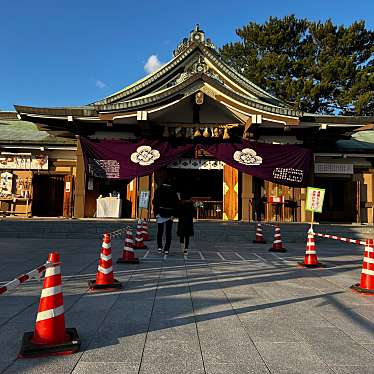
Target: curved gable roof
[188,52]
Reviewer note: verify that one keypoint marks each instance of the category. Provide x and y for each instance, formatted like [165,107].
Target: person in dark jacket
[164,206]
[186,213]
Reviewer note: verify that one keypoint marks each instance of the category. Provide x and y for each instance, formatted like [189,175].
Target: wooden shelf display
[15,193]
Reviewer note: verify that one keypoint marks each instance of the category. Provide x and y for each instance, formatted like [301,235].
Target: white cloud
[100,84]
[152,64]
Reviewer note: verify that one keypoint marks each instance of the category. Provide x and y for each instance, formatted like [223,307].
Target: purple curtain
[283,164]
[120,159]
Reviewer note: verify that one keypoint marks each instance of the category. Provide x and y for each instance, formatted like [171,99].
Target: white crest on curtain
[247,156]
[145,155]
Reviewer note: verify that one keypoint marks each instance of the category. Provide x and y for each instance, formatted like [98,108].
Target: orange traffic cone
[50,337]
[366,284]
[128,256]
[145,231]
[310,258]
[259,236]
[104,276]
[277,243]
[139,244]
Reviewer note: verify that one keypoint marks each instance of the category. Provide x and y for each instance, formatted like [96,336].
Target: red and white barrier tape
[25,277]
[118,232]
[347,240]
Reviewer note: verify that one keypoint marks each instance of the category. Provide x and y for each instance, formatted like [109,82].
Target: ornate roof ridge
[142,102]
[248,84]
[141,83]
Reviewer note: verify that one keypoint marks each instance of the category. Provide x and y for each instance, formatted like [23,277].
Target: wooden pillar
[247,197]
[369,189]
[132,195]
[80,184]
[230,193]
[306,215]
[145,184]
[68,192]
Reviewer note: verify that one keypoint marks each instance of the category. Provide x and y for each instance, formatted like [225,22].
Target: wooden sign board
[314,199]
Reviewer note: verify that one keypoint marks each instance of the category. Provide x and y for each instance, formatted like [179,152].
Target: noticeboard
[144,199]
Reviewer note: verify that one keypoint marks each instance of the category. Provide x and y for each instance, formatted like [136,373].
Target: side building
[36,170]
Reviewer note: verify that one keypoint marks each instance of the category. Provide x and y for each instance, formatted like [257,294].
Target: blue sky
[72,52]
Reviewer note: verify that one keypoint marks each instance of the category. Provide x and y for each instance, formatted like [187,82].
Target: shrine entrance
[204,186]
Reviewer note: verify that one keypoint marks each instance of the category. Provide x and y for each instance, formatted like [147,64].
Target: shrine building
[239,151]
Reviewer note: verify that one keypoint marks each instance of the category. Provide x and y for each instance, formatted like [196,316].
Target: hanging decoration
[197,133]
[189,133]
[226,134]
[178,132]
[206,133]
[215,132]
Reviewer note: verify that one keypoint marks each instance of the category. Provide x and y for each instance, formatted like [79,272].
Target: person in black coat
[185,213]
[164,206]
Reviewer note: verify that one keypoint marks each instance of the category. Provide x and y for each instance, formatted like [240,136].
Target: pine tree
[316,67]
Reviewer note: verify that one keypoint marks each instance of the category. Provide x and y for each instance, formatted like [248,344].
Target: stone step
[204,230]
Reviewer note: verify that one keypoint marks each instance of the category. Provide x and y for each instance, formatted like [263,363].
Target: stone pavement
[229,307]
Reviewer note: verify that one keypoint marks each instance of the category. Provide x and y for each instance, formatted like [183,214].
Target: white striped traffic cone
[50,337]
[104,276]
[277,243]
[145,231]
[310,258]
[139,244]
[259,235]
[366,284]
[128,256]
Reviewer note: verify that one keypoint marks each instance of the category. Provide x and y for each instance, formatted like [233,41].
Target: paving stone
[291,358]
[105,368]
[353,369]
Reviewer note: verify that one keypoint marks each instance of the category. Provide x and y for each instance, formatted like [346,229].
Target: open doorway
[48,195]
[340,200]
[204,187]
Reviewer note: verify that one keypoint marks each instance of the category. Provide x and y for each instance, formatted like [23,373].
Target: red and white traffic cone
[104,276]
[128,256]
[259,235]
[139,244]
[145,230]
[366,284]
[277,243]
[50,337]
[310,258]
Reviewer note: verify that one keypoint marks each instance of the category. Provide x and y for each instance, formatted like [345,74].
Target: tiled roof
[16,131]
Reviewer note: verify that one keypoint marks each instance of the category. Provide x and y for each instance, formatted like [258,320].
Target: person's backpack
[167,200]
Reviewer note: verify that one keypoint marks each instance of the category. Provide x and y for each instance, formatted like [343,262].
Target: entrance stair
[205,230]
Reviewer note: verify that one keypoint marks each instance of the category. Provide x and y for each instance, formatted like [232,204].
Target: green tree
[316,67]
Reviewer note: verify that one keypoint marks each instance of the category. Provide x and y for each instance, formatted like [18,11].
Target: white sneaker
[159,250]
